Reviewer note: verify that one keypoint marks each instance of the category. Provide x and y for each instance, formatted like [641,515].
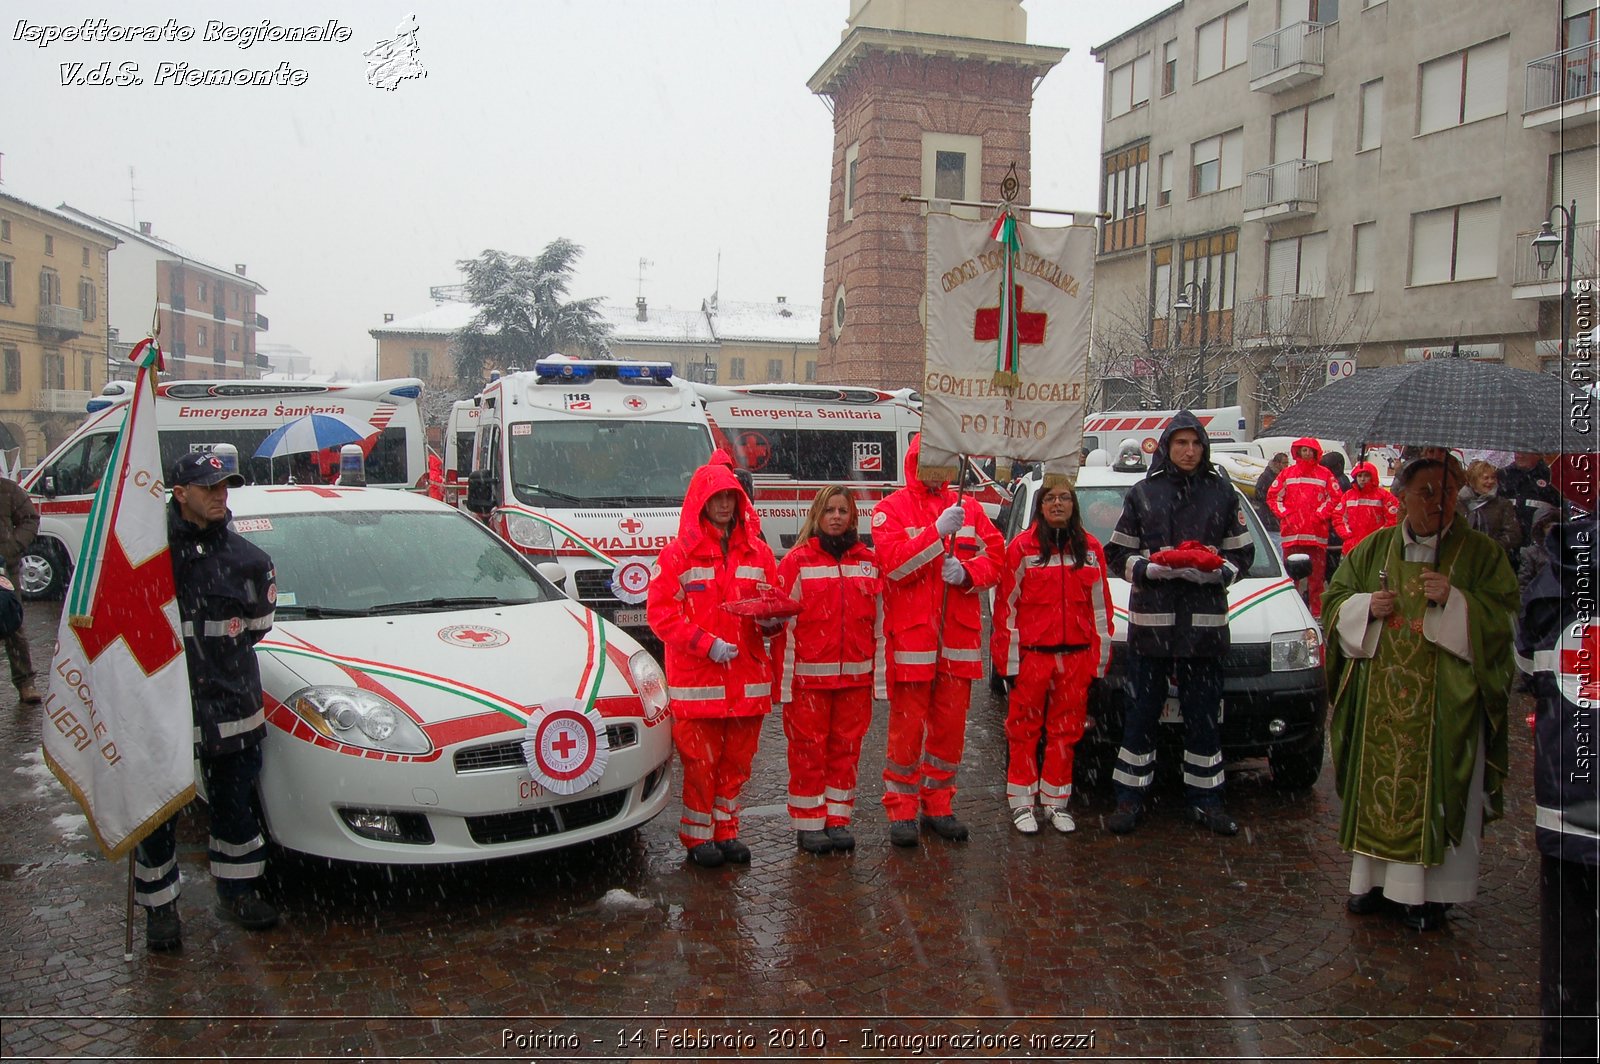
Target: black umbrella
[1447,402]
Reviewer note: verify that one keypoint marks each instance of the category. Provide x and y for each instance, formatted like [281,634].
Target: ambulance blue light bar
[97,404]
[577,371]
[407,391]
[658,371]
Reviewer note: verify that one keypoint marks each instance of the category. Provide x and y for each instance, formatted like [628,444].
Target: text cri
[67,719]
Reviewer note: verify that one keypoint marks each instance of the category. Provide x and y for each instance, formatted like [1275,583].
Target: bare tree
[1292,338]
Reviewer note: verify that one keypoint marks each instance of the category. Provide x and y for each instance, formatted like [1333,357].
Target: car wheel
[1296,769]
[42,573]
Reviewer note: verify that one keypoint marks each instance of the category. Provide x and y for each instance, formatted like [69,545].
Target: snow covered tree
[523,314]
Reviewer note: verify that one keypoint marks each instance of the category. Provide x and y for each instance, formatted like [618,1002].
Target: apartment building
[207,313]
[53,285]
[1297,182]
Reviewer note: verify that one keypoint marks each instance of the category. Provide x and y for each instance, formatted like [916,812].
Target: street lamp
[1193,294]
[1545,246]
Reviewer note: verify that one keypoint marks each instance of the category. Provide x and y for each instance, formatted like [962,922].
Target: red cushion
[766,606]
[1190,554]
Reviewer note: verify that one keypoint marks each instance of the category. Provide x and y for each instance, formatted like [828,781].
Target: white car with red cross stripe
[430,697]
[1274,695]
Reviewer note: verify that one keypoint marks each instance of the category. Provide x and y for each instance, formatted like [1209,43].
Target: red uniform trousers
[1319,564]
[716,753]
[1049,695]
[824,728]
[927,732]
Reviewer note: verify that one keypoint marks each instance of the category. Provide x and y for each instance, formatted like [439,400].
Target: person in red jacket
[939,551]
[1365,508]
[1052,635]
[830,666]
[719,677]
[1304,497]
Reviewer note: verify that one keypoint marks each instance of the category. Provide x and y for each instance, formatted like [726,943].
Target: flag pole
[127,930]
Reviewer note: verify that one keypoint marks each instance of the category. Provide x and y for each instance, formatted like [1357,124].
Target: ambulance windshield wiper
[442,603]
[540,489]
[318,612]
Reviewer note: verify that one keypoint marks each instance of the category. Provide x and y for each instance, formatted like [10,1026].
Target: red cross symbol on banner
[128,605]
[1030,324]
[1583,663]
[564,745]
[631,525]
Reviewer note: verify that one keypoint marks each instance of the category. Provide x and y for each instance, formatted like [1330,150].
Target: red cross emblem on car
[474,636]
[633,402]
[631,525]
[755,449]
[564,744]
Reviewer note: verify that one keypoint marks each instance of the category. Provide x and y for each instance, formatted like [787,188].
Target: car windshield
[605,463]
[1101,506]
[361,562]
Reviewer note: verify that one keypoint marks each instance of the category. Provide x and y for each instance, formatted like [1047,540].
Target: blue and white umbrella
[314,432]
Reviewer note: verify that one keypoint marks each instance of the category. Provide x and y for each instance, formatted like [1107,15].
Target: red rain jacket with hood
[1304,497]
[1362,511]
[695,575]
[912,555]
[837,638]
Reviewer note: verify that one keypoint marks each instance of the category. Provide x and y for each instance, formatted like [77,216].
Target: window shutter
[1164,168]
[1236,37]
[1121,82]
[1141,79]
[1486,80]
[1292,11]
[1364,264]
[1371,135]
[1314,264]
[1283,266]
[1232,160]
[1432,237]
[1478,240]
[1288,135]
[1575,175]
[1208,49]
[1162,290]
[1319,131]
[1439,105]
[1570,8]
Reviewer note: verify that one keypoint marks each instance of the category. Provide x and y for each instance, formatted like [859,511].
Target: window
[1304,132]
[1370,134]
[1298,265]
[6,295]
[49,288]
[950,175]
[736,369]
[1127,175]
[55,371]
[5,230]
[49,244]
[811,370]
[199,336]
[1169,68]
[774,369]
[952,168]
[852,159]
[1221,43]
[88,374]
[200,291]
[217,354]
[86,255]
[1209,262]
[233,342]
[13,369]
[1128,86]
[1292,11]
[1164,179]
[1364,257]
[88,299]
[1455,243]
[419,364]
[1574,176]
[1463,87]
[235,299]
[1217,163]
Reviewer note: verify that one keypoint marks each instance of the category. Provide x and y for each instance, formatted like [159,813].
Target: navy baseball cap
[203,468]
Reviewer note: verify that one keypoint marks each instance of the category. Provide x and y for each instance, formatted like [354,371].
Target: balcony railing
[64,400]
[261,323]
[1281,319]
[1286,189]
[63,321]
[1585,258]
[1570,75]
[1287,57]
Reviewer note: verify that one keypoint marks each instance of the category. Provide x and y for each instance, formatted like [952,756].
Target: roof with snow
[71,219]
[445,319]
[733,322]
[662,325]
[166,247]
[778,322]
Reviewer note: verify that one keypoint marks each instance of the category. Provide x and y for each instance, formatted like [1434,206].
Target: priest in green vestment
[1419,662]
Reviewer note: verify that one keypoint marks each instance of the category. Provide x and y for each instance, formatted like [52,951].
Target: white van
[1106,430]
[795,439]
[585,462]
[195,415]
[459,433]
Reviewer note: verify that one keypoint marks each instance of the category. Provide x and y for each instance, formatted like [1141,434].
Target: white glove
[950,522]
[1157,571]
[953,572]
[722,651]
[1204,576]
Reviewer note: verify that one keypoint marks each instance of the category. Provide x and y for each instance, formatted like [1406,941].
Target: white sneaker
[1062,821]
[1025,821]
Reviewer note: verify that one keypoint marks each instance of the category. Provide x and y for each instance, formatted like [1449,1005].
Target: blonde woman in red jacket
[830,667]
[1052,635]
[719,676]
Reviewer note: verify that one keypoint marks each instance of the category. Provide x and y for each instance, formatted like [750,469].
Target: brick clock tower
[929,98]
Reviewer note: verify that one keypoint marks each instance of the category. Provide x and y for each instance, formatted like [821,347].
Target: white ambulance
[586,463]
[458,436]
[1106,430]
[195,415]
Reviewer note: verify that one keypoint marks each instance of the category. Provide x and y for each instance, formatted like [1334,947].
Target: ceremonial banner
[1007,343]
[118,727]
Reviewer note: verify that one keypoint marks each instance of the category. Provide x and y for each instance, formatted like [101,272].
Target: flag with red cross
[118,727]
[1007,342]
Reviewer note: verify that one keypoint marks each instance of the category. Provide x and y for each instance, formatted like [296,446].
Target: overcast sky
[664,130]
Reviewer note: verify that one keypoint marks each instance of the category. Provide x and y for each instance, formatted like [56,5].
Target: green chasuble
[1407,722]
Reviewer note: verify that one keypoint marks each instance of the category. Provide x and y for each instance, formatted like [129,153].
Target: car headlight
[355,717]
[650,682]
[1296,650]
[526,532]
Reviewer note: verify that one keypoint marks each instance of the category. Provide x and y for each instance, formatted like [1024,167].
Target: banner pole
[127,929]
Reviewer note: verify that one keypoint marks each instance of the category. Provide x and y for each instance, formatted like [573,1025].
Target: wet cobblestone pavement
[1170,943]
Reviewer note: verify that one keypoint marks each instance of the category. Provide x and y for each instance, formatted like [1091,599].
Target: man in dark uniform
[226,593]
[1177,618]
[1526,482]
